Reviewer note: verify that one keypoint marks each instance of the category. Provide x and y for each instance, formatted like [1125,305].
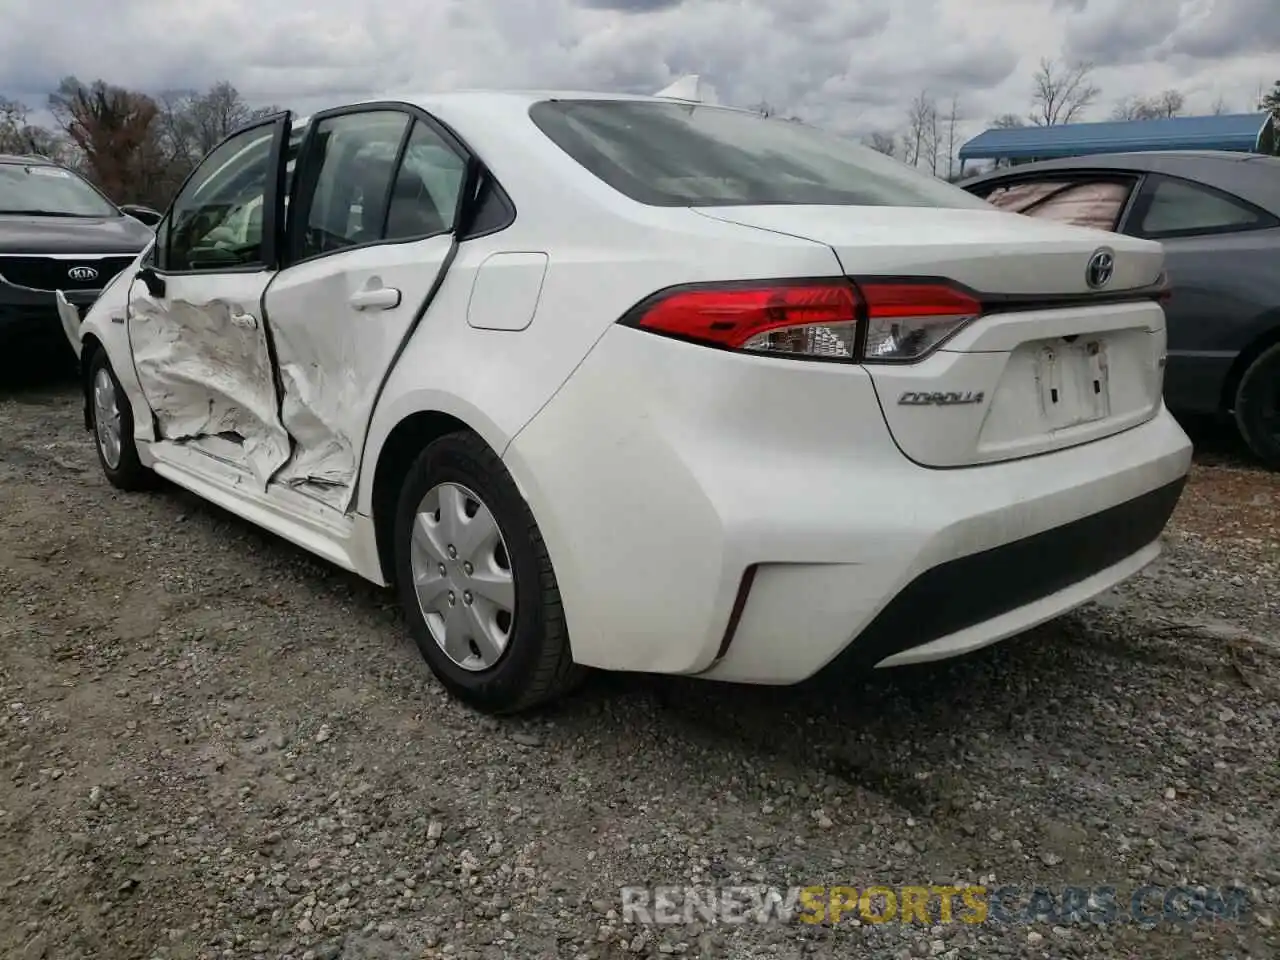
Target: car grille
[54,273]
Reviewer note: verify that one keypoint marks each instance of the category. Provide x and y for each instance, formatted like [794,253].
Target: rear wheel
[476,583]
[1258,407]
[111,418]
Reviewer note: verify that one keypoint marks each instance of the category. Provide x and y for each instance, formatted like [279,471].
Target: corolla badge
[949,398]
[82,273]
[1101,265]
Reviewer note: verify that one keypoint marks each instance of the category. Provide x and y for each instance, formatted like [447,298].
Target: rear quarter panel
[1224,288]
[1226,297]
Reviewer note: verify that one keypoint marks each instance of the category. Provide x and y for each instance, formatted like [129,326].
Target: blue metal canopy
[1242,132]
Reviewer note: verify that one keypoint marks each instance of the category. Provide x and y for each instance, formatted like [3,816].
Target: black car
[57,232]
[1217,215]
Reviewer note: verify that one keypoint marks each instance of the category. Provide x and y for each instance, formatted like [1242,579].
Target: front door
[196,325]
[371,230]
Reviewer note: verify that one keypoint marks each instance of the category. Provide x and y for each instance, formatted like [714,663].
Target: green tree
[1271,103]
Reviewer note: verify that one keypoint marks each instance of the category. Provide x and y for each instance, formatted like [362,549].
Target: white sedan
[642,384]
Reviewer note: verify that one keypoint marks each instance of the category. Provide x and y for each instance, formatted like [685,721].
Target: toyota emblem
[1101,265]
[82,273]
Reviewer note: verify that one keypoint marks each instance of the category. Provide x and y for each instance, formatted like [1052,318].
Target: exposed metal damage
[208,378]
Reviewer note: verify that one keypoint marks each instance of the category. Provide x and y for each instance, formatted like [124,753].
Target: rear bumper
[663,475]
[966,603]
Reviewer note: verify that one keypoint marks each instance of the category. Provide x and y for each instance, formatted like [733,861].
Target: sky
[849,65]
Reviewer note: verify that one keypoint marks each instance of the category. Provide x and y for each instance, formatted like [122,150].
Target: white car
[644,385]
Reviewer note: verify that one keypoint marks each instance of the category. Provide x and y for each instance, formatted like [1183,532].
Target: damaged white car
[642,384]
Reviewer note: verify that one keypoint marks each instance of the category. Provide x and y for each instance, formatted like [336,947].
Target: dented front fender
[69,314]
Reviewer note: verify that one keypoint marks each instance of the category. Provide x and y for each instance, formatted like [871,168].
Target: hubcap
[106,417]
[462,576]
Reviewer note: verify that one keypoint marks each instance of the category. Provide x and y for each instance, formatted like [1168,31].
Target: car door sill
[291,515]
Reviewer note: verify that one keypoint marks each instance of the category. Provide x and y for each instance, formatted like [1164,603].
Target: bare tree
[1127,108]
[1170,103]
[920,141]
[113,129]
[1008,121]
[1219,107]
[881,142]
[933,138]
[1061,93]
[953,122]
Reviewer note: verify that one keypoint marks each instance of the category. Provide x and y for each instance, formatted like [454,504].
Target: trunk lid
[1051,363]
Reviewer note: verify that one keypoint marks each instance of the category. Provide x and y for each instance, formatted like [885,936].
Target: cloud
[854,66]
[632,6]
[1228,27]
[1110,32]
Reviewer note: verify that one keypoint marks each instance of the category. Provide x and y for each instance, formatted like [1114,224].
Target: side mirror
[143,214]
[153,281]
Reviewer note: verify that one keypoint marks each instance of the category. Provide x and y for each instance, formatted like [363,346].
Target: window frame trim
[296,226]
[416,114]
[1266,220]
[269,262]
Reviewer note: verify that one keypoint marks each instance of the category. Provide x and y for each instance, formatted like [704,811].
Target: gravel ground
[212,745]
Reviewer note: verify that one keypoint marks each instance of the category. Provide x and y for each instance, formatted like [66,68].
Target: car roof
[29,160]
[529,97]
[484,100]
[1250,176]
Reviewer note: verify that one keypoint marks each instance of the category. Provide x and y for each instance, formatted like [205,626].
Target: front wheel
[476,582]
[111,417]
[1258,407]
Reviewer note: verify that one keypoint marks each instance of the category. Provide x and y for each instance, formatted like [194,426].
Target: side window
[216,222]
[1180,208]
[352,158]
[1085,203]
[425,196]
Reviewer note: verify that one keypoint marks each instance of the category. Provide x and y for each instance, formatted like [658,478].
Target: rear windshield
[682,155]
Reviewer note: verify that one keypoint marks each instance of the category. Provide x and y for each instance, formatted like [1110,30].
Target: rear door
[371,233]
[195,320]
[1220,253]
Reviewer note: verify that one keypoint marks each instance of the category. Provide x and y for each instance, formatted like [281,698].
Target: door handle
[376,298]
[246,321]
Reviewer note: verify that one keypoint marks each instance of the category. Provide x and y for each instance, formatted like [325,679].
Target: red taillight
[891,301]
[904,320]
[732,316]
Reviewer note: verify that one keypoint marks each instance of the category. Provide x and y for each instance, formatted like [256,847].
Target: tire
[111,414]
[534,665]
[1257,407]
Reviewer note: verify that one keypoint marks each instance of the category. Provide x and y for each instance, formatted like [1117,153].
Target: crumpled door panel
[334,351]
[206,376]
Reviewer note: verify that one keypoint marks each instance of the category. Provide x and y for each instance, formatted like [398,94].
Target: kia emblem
[82,273]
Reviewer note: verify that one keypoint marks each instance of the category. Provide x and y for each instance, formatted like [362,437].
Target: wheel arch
[401,447]
[90,346]
[1260,344]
